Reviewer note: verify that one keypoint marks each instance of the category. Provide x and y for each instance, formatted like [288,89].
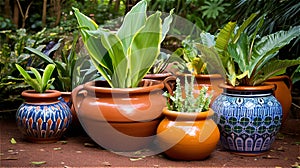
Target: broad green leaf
[23,72]
[211,57]
[166,25]
[272,68]
[143,53]
[36,74]
[243,27]
[133,21]
[40,54]
[114,47]
[224,37]
[46,76]
[267,47]
[207,39]
[239,52]
[84,22]
[98,54]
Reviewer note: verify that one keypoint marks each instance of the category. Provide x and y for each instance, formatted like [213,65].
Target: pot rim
[155,85]
[164,74]
[262,87]
[190,116]
[205,76]
[47,94]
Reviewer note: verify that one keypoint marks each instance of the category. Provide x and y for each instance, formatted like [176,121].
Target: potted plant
[194,65]
[248,114]
[43,117]
[69,69]
[188,132]
[121,113]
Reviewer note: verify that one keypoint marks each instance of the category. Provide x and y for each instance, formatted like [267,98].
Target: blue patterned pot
[248,118]
[43,117]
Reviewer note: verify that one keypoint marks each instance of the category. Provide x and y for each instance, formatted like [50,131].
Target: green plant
[41,83]
[189,101]
[124,57]
[246,58]
[192,58]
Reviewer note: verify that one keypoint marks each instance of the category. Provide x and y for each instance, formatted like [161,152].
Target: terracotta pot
[67,98]
[159,76]
[120,119]
[212,81]
[249,117]
[188,136]
[283,93]
[43,118]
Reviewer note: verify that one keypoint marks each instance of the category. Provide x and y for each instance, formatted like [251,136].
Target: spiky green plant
[189,101]
[41,83]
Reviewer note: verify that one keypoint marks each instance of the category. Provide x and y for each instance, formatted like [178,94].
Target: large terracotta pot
[248,118]
[120,119]
[187,136]
[212,81]
[43,118]
[283,93]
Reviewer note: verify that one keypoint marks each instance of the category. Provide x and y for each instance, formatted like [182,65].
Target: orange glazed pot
[282,93]
[120,119]
[212,81]
[187,136]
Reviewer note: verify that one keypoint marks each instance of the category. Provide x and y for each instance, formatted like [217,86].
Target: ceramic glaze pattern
[43,122]
[247,124]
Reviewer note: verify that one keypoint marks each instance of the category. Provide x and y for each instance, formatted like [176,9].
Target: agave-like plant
[248,59]
[124,57]
[41,83]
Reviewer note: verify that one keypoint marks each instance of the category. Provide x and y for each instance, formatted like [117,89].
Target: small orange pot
[187,136]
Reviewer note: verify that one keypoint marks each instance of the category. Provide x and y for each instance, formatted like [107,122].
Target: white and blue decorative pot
[43,117]
[248,118]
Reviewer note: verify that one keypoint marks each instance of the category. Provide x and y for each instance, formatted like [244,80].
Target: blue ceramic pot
[248,118]
[43,118]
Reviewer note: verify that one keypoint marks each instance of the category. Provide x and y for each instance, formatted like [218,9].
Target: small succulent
[189,101]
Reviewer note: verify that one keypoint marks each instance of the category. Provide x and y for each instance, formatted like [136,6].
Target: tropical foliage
[124,57]
[246,58]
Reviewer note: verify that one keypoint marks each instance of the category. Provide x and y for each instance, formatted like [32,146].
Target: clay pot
[120,119]
[67,98]
[283,93]
[212,81]
[187,136]
[249,117]
[43,118]
[159,76]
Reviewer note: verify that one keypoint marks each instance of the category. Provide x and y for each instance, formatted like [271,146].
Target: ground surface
[78,150]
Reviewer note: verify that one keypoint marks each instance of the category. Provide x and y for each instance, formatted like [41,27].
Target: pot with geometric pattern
[248,117]
[43,117]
